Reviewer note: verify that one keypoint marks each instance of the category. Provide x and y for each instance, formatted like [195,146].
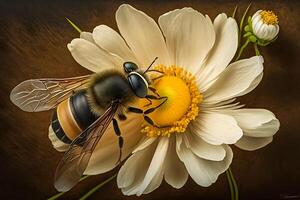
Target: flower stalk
[89,193]
[242,49]
[97,187]
[256,49]
[234,190]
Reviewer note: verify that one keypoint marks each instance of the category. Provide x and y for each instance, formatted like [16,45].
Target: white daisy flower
[265,25]
[200,119]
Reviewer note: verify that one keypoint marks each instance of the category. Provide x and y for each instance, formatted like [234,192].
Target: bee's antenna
[150,65]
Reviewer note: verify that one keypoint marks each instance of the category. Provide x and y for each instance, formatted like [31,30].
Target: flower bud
[265,25]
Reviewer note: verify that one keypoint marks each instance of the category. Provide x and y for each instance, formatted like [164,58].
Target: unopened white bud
[265,25]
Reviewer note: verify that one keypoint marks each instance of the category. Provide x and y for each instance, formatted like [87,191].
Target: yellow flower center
[181,106]
[269,17]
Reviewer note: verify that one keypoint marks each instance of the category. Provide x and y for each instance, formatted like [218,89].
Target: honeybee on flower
[190,133]
[200,119]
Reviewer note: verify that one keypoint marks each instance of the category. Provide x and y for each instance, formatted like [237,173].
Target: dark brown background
[33,38]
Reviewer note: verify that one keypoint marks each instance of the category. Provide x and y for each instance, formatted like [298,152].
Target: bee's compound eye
[129,67]
[138,84]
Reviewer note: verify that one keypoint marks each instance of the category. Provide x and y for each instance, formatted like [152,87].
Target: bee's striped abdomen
[71,117]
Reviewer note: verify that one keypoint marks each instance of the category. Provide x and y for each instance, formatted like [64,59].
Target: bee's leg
[140,111]
[121,140]
[154,70]
[150,110]
[150,97]
[122,116]
[154,91]
[148,104]
[154,79]
[135,110]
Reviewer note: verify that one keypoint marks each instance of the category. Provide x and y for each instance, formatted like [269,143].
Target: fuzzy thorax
[107,82]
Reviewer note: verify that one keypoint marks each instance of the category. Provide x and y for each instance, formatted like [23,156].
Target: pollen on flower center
[181,106]
[269,17]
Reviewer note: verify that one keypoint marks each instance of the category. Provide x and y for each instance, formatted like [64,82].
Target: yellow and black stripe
[71,117]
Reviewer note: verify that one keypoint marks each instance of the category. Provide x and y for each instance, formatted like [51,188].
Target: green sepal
[247,34]
[252,38]
[250,20]
[263,43]
[247,28]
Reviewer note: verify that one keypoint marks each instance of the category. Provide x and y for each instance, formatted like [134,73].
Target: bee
[84,108]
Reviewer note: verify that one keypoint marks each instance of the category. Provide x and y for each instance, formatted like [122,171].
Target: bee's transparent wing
[74,162]
[44,94]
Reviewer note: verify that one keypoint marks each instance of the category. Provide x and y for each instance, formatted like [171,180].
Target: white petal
[175,172]
[189,38]
[134,169]
[203,149]
[143,171]
[166,19]
[204,172]
[272,31]
[142,34]
[253,143]
[221,103]
[216,128]
[111,41]
[144,143]
[218,107]
[92,57]
[253,85]
[87,36]
[156,180]
[265,31]
[156,163]
[256,14]
[235,80]
[106,154]
[255,19]
[257,27]
[256,122]
[223,50]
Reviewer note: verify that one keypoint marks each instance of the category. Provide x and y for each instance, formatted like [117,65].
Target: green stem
[236,189]
[61,193]
[97,187]
[56,196]
[242,22]
[242,49]
[230,185]
[256,49]
[73,25]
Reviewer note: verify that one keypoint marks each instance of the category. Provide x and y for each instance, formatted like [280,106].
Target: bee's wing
[44,94]
[75,160]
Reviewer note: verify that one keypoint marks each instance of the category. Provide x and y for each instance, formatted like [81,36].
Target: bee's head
[137,81]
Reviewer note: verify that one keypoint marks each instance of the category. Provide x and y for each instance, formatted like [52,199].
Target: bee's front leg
[120,138]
